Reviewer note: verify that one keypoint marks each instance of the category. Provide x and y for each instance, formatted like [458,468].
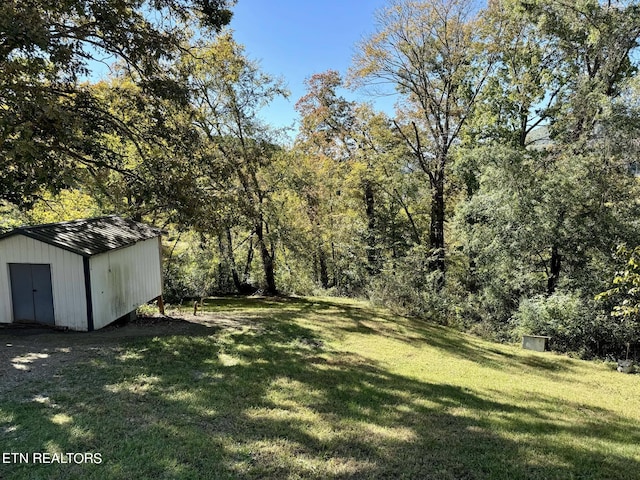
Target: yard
[307,388]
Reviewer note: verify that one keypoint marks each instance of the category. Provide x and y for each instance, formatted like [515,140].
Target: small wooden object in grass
[161,305]
[625,366]
[539,343]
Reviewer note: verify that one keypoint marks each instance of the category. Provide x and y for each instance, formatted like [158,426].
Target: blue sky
[293,39]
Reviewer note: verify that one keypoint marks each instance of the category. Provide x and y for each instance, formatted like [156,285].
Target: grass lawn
[319,388]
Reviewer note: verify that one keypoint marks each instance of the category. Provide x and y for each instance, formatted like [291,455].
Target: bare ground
[32,352]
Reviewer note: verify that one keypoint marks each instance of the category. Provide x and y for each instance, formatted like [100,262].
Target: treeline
[502,197]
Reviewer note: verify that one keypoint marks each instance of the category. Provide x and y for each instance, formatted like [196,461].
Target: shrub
[573,322]
[623,298]
[409,287]
[188,276]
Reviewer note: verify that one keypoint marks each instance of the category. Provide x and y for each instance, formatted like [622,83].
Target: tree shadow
[276,402]
[348,318]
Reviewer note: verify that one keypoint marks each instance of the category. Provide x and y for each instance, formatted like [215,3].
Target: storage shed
[82,275]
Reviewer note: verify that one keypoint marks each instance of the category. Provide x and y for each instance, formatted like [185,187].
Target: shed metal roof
[91,236]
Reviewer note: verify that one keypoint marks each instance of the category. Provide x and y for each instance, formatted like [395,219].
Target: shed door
[31,293]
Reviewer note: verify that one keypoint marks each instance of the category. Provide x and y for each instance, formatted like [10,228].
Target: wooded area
[502,197]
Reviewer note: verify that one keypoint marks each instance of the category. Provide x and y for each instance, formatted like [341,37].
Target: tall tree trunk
[436,231]
[247,266]
[268,259]
[232,261]
[555,264]
[324,273]
[334,260]
[372,248]
[436,182]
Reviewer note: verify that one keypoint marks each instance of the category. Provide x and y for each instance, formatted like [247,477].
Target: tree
[624,297]
[230,89]
[596,40]
[355,154]
[433,53]
[522,92]
[153,171]
[330,128]
[542,219]
[51,121]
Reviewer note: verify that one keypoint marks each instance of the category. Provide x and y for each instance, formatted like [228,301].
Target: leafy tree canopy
[50,119]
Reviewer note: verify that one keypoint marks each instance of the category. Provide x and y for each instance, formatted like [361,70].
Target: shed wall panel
[67,279]
[124,279]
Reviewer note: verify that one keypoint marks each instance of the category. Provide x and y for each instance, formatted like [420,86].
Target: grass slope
[324,388]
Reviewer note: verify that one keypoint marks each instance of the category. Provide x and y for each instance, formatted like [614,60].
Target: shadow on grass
[276,403]
[346,317]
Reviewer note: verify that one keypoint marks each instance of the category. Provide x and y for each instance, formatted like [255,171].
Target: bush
[486,313]
[623,298]
[188,275]
[410,288]
[181,283]
[292,281]
[573,323]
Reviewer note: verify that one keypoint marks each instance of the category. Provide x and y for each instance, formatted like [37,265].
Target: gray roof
[91,236]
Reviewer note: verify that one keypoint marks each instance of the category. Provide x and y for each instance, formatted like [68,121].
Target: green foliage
[66,205]
[409,286]
[542,217]
[434,54]
[10,217]
[349,174]
[235,170]
[52,121]
[191,269]
[623,298]
[627,284]
[514,141]
[567,318]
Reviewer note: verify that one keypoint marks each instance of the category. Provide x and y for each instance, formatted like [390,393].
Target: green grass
[325,388]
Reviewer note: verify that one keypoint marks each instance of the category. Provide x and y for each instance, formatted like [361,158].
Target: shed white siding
[124,279]
[67,279]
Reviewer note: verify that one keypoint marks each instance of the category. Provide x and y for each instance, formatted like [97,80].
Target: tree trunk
[268,259]
[247,267]
[436,231]
[324,273]
[372,248]
[555,265]
[334,257]
[232,261]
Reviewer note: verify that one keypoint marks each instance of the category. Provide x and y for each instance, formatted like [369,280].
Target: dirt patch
[33,352]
